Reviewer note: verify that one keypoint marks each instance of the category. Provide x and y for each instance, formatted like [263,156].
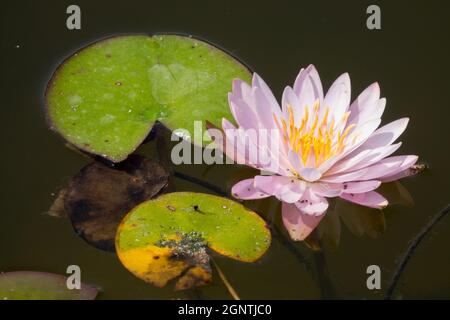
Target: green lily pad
[32,285]
[105,98]
[165,237]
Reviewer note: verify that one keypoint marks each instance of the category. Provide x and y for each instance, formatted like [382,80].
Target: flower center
[313,139]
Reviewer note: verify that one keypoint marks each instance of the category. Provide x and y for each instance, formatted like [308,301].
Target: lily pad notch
[106,98]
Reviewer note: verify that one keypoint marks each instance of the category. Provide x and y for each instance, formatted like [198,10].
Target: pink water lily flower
[329,147]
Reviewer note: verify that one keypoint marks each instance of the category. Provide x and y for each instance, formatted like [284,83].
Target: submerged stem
[200,182]
[323,275]
[227,284]
[411,248]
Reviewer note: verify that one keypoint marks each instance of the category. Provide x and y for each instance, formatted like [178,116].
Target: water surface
[408,57]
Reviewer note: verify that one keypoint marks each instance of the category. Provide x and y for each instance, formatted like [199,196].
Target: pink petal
[241,148]
[230,149]
[227,125]
[295,161]
[306,78]
[290,99]
[279,164]
[311,203]
[235,147]
[265,111]
[376,155]
[370,199]
[364,104]
[344,177]
[360,134]
[327,189]
[245,190]
[298,224]
[286,189]
[347,163]
[248,145]
[241,90]
[361,186]
[388,167]
[259,152]
[310,174]
[338,96]
[258,82]
[385,135]
[243,113]
[361,159]
[308,87]
[375,111]
[411,171]
[265,102]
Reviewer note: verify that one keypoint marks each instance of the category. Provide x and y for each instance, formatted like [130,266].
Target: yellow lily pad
[167,237]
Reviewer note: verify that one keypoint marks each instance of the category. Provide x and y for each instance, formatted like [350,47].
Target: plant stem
[200,182]
[411,249]
[229,287]
[323,276]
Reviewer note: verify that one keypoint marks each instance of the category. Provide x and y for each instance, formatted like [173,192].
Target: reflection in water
[358,219]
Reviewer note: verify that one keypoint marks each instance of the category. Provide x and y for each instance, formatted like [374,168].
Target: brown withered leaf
[98,197]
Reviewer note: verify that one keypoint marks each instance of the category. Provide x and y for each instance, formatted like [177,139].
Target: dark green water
[408,57]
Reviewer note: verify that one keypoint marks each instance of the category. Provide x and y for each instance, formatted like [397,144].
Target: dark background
[408,57]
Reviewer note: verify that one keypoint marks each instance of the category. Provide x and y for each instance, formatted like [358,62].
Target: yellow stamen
[325,117]
[319,140]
